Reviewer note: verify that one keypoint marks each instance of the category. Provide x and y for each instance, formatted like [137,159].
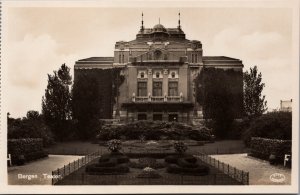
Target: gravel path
[259,170]
[38,170]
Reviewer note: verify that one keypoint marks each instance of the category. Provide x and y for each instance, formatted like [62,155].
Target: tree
[56,104]
[86,105]
[31,126]
[216,91]
[254,103]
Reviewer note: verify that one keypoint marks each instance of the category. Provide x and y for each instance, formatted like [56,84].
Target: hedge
[154,130]
[262,148]
[31,148]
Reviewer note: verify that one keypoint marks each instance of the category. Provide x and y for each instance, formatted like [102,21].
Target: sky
[40,39]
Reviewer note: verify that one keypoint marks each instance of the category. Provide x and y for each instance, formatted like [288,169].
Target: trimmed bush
[185,164]
[146,162]
[154,130]
[273,125]
[112,163]
[262,148]
[31,148]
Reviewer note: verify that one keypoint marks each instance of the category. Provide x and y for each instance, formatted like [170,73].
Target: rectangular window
[157,88]
[142,89]
[173,88]
[142,117]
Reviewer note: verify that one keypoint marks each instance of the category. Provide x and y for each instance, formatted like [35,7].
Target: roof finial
[142,27]
[179,20]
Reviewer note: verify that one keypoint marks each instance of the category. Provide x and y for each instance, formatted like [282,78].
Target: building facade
[158,69]
[286,105]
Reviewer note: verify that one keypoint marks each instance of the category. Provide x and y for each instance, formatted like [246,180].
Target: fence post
[223,166]
[57,172]
[78,162]
[64,170]
[247,178]
[218,164]
[242,176]
[52,180]
[215,179]
[82,178]
[234,172]
[69,167]
[228,169]
[74,165]
[181,178]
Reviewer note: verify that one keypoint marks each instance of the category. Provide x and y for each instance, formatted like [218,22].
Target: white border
[293,188]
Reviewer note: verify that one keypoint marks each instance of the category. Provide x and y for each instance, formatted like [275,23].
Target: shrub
[30,128]
[185,164]
[154,130]
[263,148]
[31,148]
[273,125]
[114,145]
[180,147]
[147,162]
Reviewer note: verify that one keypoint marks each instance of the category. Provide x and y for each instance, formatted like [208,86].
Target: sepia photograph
[150,96]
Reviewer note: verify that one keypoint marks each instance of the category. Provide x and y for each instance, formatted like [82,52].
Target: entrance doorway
[142,117]
[173,117]
[157,117]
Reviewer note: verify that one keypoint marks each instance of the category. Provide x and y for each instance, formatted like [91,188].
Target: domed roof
[159,28]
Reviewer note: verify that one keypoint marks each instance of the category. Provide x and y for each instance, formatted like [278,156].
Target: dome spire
[179,20]
[142,27]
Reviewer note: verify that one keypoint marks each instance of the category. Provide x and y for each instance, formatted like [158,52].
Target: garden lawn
[259,170]
[38,167]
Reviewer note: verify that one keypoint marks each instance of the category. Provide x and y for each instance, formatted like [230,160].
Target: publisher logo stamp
[277,177]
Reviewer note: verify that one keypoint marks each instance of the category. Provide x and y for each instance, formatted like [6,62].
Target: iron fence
[66,170]
[233,172]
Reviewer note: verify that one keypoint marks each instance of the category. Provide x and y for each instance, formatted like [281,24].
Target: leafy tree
[273,125]
[254,103]
[56,104]
[32,126]
[86,105]
[220,94]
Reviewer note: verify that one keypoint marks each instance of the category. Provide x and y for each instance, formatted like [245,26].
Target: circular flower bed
[185,164]
[113,163]
[147,162]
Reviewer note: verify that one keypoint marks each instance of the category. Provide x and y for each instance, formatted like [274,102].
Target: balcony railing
[157,98]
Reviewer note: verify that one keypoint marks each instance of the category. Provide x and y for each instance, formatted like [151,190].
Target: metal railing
[157,99]
[233,172]
[66,170]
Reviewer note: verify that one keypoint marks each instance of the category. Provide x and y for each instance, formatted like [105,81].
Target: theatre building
[158,69]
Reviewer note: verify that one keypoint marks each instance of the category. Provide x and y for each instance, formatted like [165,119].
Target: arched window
[157,74]
[120,58]
[173,75]
[157,54]
[196,59]
[123,61]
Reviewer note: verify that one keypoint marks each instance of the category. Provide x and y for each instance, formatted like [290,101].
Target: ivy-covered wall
[96,89]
